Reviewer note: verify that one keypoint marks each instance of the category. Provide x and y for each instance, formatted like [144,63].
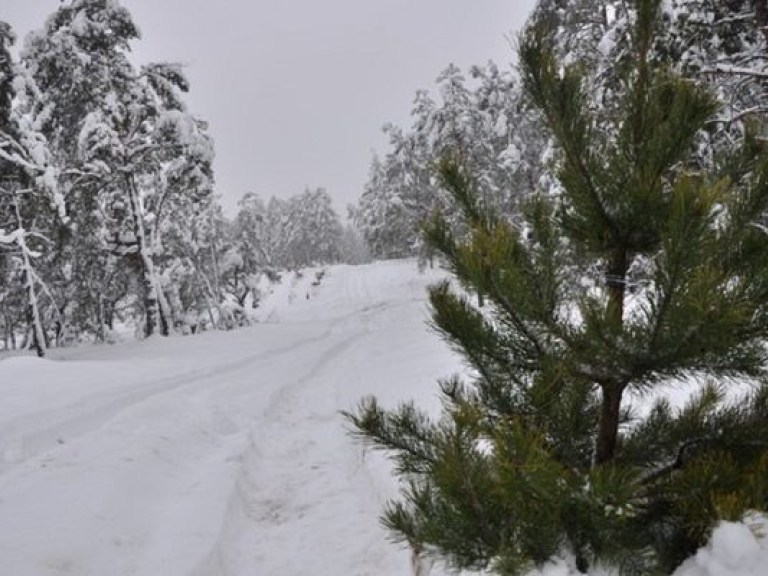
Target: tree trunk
[418,565]
[12,330]
[151,311]
[109,314]
[616,285]
[166,317]
[610,409]
[610,412]
[7,329]
[100,334]
[208,295]
[154,322]
[28,277]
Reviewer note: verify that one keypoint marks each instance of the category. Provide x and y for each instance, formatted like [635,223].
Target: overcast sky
[296,91]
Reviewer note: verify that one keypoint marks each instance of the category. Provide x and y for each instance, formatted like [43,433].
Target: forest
[109,202]
[598,213]
[109,205]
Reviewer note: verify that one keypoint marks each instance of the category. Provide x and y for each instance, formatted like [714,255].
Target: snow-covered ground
[224,454]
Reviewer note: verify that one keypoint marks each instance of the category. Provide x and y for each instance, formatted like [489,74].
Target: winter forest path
[220,454]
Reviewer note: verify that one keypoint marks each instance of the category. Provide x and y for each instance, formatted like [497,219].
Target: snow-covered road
[220,454]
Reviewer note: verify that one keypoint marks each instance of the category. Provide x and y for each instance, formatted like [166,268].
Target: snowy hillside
[224,453]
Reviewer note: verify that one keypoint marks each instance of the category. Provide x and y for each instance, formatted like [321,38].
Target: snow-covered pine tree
[642,273]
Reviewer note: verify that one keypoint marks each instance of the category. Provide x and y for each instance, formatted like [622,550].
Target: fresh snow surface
[735,549]
[224,454]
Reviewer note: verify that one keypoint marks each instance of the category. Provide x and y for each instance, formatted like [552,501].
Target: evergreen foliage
[643,271]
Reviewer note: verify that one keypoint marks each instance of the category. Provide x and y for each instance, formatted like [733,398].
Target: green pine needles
[644,271]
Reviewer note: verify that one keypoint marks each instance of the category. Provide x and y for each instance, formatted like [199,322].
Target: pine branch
[399,432]
[678,461]
[537,64]
[498,296]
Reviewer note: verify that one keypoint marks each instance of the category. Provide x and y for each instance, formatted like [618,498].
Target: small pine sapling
[642,271]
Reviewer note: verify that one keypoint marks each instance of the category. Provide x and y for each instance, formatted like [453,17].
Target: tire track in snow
[234,470]
[271,500]
[182,464]
[301,471]
[81,419]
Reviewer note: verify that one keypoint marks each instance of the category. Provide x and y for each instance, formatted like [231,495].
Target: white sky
[296,91]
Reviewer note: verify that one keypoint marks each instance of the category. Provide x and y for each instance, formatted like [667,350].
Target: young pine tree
[641,272]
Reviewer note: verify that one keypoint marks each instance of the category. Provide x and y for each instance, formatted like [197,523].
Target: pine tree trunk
[610,411]
[418,566]
[109,315]
[616,284]
[610,408]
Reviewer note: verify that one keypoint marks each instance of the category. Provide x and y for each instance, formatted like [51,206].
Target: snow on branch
[734,71]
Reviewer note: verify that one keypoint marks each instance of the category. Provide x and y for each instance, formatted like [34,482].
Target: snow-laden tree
[279,231]
[352,246]
[252,253]
[77,58]
[316,228]
[299,231]
[28,193]
[153,161]
[280,234]
[384,214]
[133,155]
[485,123]
[190,235]
[644,271]
[721,45]
[194,265]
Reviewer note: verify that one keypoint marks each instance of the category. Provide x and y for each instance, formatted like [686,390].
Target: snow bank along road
[220,454]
